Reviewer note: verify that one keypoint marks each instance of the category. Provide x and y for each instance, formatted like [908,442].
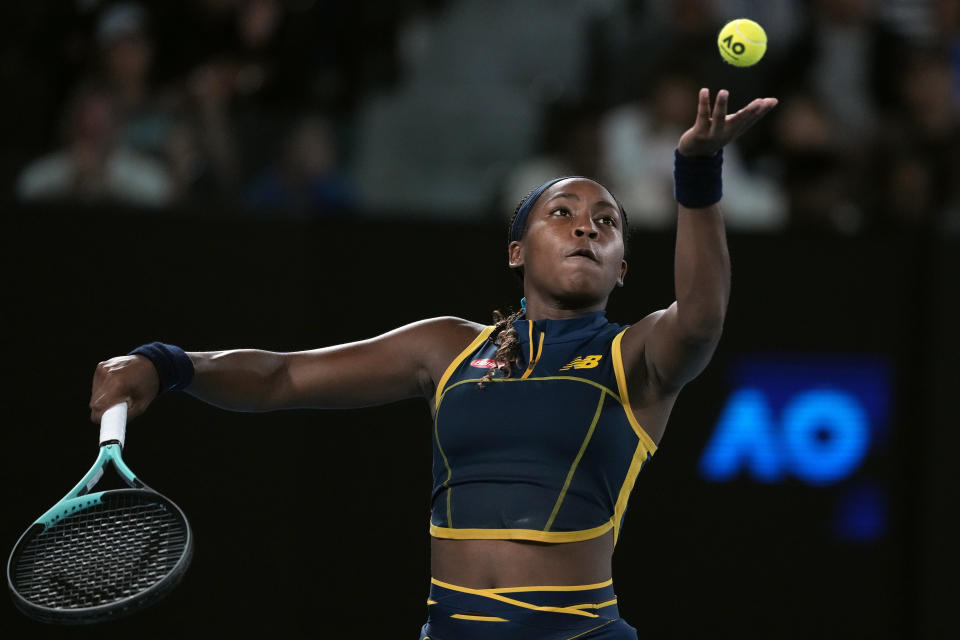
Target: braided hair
[504,334]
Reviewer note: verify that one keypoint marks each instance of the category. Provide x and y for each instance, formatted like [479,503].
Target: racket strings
[103,554]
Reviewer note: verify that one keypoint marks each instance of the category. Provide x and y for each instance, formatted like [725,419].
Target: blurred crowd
[207,104]
[457,108]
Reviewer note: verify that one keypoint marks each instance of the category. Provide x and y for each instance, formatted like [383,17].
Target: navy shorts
[584,612]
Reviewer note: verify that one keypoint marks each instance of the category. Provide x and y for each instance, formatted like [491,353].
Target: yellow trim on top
[645,445]
[625,397]
[533,359]
[467,616]
[495,380]
[487,593]
[456,361]
[446,463]
[640,456]
[580,635]
[592,605]
[530,333]
[555,587]
[576,461]
[429,601]
[520,534]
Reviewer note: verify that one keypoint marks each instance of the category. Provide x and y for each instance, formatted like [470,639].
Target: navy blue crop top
[550,453]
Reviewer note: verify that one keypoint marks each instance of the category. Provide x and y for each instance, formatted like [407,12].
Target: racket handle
[113,424]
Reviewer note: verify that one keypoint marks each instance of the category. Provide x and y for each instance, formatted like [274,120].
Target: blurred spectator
[259,68]
[915,169]
[307,182]
[570,145]
[265,67]
[638,144]
[144,119]
[818,183]
[188,126]
[272,53]
[865,136]
[191,33]
[632,44]
[92,167]
[850,61]
[245,82]
[208,135]
[946,27]
[637,42]
[45,48]
[912,19]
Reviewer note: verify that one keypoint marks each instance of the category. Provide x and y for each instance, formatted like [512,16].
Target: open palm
[714,128]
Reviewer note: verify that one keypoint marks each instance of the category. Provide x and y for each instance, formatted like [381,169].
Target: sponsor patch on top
[485,363]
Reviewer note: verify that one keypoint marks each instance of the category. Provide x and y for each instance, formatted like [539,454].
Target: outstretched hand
[714,128]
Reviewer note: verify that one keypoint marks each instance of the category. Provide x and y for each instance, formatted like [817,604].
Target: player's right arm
[403,363]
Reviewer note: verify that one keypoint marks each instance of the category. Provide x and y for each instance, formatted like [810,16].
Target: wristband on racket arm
[173,365]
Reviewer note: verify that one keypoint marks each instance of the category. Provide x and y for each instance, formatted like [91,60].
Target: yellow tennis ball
[742,42]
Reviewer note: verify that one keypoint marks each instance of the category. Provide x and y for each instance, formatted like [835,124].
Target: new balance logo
[586,362]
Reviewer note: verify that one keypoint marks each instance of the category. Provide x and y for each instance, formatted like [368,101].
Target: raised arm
[403,363]
[670,347]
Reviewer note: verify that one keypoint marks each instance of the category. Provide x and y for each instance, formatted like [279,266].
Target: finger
[98,373]
[745,115]
[98,404]
[760,104]
[750,114]
[96,412]
[106,398]
[94,395]
[703,108]
[719,118]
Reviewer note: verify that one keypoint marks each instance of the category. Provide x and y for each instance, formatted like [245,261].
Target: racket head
[118,554]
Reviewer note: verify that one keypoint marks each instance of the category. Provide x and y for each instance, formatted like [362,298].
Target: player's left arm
[672,346]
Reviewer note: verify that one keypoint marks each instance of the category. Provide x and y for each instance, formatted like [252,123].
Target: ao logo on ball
[736,47]
[742,42]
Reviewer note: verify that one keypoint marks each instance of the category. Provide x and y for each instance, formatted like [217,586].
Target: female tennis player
[542,421]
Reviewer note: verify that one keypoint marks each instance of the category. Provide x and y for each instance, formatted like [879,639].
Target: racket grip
[113,424]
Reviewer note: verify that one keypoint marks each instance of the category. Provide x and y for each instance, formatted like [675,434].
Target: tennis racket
[102,555]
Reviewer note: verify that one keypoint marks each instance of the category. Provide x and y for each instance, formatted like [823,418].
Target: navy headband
[520,220]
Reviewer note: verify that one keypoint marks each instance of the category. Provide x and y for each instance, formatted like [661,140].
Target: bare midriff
[492,564]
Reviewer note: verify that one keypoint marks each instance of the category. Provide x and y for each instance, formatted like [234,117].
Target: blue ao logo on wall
[812,419]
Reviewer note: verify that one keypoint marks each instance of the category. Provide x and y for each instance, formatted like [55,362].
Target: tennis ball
[742,42]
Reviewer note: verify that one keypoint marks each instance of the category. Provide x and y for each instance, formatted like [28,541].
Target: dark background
[312,521]
[300,173]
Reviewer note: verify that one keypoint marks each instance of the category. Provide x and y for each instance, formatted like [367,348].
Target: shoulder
[443,336]
[447,325]
[635,335]
[633,348]
[455,323]
[442,341]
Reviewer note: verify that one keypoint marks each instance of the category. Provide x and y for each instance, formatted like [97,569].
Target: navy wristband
[697,180]
[172,363]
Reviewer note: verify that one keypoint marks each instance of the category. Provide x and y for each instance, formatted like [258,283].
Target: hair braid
[504,335]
